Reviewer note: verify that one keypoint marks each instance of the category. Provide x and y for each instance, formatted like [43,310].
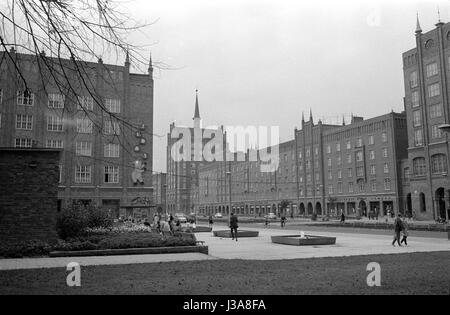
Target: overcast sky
[264,62]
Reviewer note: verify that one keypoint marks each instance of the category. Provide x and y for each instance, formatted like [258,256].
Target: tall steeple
[303,116]
[197,112]
[196,117]
[150,66]
[310,115]
[418,28]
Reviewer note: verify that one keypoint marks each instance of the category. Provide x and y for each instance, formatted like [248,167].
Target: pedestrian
[210,221]
[178,226]
[405,232]
[398,227]
[234,226]
[283,220]
[171,223]
[266,221]
[342,217]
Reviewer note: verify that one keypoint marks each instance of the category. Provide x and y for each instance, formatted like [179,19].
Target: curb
[132,251]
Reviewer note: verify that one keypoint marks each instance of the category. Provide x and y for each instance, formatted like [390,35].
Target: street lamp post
[229,182]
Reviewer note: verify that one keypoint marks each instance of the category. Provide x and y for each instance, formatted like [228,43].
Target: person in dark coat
[342,217]
[398,227]
[210,221]
[234,226]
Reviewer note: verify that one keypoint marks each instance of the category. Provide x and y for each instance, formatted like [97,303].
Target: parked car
[180,217]
[218,215]
[271,216]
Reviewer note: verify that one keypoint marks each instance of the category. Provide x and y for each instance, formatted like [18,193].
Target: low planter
[243,233]
[132,251]
[202,229]
[308,240]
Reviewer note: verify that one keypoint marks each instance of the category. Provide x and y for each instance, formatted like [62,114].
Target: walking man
[283,221]
[405,232]
[234,226]
[210,221]
[398,227]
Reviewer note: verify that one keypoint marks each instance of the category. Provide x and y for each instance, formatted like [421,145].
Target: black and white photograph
[224,152]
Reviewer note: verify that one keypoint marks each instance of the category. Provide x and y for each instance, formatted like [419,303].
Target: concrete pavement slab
[347,244]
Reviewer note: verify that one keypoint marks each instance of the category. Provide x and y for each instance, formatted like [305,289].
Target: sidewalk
[347,244]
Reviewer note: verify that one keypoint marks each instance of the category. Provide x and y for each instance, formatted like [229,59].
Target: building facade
[184,154]
[326,169]
[100,116]
[426,70]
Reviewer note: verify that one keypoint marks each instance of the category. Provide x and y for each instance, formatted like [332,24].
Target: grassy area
[418,273]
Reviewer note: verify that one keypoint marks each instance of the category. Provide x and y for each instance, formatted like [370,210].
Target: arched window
[439,164]
[420,167]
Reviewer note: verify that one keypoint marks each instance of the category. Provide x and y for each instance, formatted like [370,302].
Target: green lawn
[418,273]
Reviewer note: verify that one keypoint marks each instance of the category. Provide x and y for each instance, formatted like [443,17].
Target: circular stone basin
[227,233]
[308,240]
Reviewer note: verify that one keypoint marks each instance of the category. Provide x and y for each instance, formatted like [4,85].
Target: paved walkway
[260,248]
[347,244]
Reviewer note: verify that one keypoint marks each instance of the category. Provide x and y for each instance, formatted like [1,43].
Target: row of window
[361,186]
[438,165]
[358,144]
[351,189]
[54,123]
[83,174]
[436,133]
[82,148]
[55,100]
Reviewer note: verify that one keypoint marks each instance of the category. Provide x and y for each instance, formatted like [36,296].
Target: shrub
[99,218]
[72,221]
[25,249]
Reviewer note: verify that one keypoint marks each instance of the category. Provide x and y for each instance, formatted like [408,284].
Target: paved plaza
[256,248]
[347,244]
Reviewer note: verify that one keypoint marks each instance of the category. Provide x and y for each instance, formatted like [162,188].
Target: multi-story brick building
[101,116]
[426,70]
[326,169]
[362,165]
[183,162]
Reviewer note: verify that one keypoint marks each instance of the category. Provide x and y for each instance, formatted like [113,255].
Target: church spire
[418,28]
[150,65]
[197,111]
[310,115]
[303,116]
